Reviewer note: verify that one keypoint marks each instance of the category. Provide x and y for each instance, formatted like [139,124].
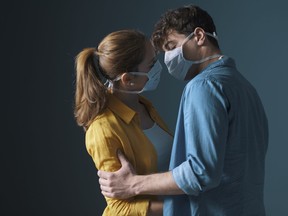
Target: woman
[113,114]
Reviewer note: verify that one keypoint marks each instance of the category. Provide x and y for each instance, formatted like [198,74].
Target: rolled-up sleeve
[204,115]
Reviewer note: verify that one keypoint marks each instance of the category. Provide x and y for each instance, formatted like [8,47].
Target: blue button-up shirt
[221,139]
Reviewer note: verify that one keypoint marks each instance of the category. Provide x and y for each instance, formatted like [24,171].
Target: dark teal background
[45,169]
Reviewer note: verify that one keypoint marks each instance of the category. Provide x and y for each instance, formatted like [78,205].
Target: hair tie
[103,76]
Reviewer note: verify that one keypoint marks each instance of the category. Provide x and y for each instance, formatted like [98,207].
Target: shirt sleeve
[102,144]
[205,118]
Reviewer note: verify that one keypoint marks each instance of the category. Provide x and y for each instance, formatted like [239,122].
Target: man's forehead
[173,37]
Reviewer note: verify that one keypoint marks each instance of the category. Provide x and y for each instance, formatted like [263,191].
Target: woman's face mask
[177,65]
[151,84]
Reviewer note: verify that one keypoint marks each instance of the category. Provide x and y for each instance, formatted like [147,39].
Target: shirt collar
[122,110]
[224,60]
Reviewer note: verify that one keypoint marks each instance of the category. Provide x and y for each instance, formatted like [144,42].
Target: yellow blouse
[119,128]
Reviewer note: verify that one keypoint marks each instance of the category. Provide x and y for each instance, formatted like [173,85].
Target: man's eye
[171,47]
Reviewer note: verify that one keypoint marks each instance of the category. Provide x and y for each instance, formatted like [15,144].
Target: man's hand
[118,184]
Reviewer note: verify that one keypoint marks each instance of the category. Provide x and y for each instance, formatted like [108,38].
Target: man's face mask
[151,84]
[177,65]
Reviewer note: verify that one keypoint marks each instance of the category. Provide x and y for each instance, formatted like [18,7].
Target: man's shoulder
[204,80]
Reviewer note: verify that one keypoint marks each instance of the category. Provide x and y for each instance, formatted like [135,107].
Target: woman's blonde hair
[119,52]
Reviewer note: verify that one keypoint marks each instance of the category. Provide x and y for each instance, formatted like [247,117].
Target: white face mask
[151,84]
[177,65]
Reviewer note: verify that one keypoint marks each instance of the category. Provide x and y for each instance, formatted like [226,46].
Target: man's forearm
[156,184]
[125,183]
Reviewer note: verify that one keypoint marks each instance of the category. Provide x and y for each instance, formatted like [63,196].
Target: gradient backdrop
[45,169]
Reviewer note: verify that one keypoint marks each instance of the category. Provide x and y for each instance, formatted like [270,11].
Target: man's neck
[198,68]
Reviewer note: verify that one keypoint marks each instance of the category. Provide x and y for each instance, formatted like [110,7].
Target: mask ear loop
[110,83]
[187,38]
[214,35]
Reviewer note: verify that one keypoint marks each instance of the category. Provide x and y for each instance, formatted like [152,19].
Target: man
[218,157]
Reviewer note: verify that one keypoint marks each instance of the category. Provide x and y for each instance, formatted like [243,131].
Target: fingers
[103,174]
[105,191]
[106,194]
[126,165]
[109,192]
[105,178]
[103,182]
[121,157]
[105,186]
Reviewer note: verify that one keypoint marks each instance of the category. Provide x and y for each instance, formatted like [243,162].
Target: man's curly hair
[183,20]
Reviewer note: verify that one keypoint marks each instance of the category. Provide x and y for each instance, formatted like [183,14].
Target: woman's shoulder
[105,119]
[103,128]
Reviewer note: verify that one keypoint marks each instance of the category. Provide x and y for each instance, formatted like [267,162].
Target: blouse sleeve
[102,144]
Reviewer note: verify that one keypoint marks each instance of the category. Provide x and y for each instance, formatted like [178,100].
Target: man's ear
[200,36]
[127,80]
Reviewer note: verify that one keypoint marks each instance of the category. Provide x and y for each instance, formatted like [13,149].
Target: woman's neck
[131,100]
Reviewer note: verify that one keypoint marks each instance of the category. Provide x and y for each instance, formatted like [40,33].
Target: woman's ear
[200,36]
[127,80]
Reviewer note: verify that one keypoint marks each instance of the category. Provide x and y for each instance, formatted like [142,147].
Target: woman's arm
[102,146]
[124,183]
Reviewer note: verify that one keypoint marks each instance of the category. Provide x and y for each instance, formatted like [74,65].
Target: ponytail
[114,56]
[90,95]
